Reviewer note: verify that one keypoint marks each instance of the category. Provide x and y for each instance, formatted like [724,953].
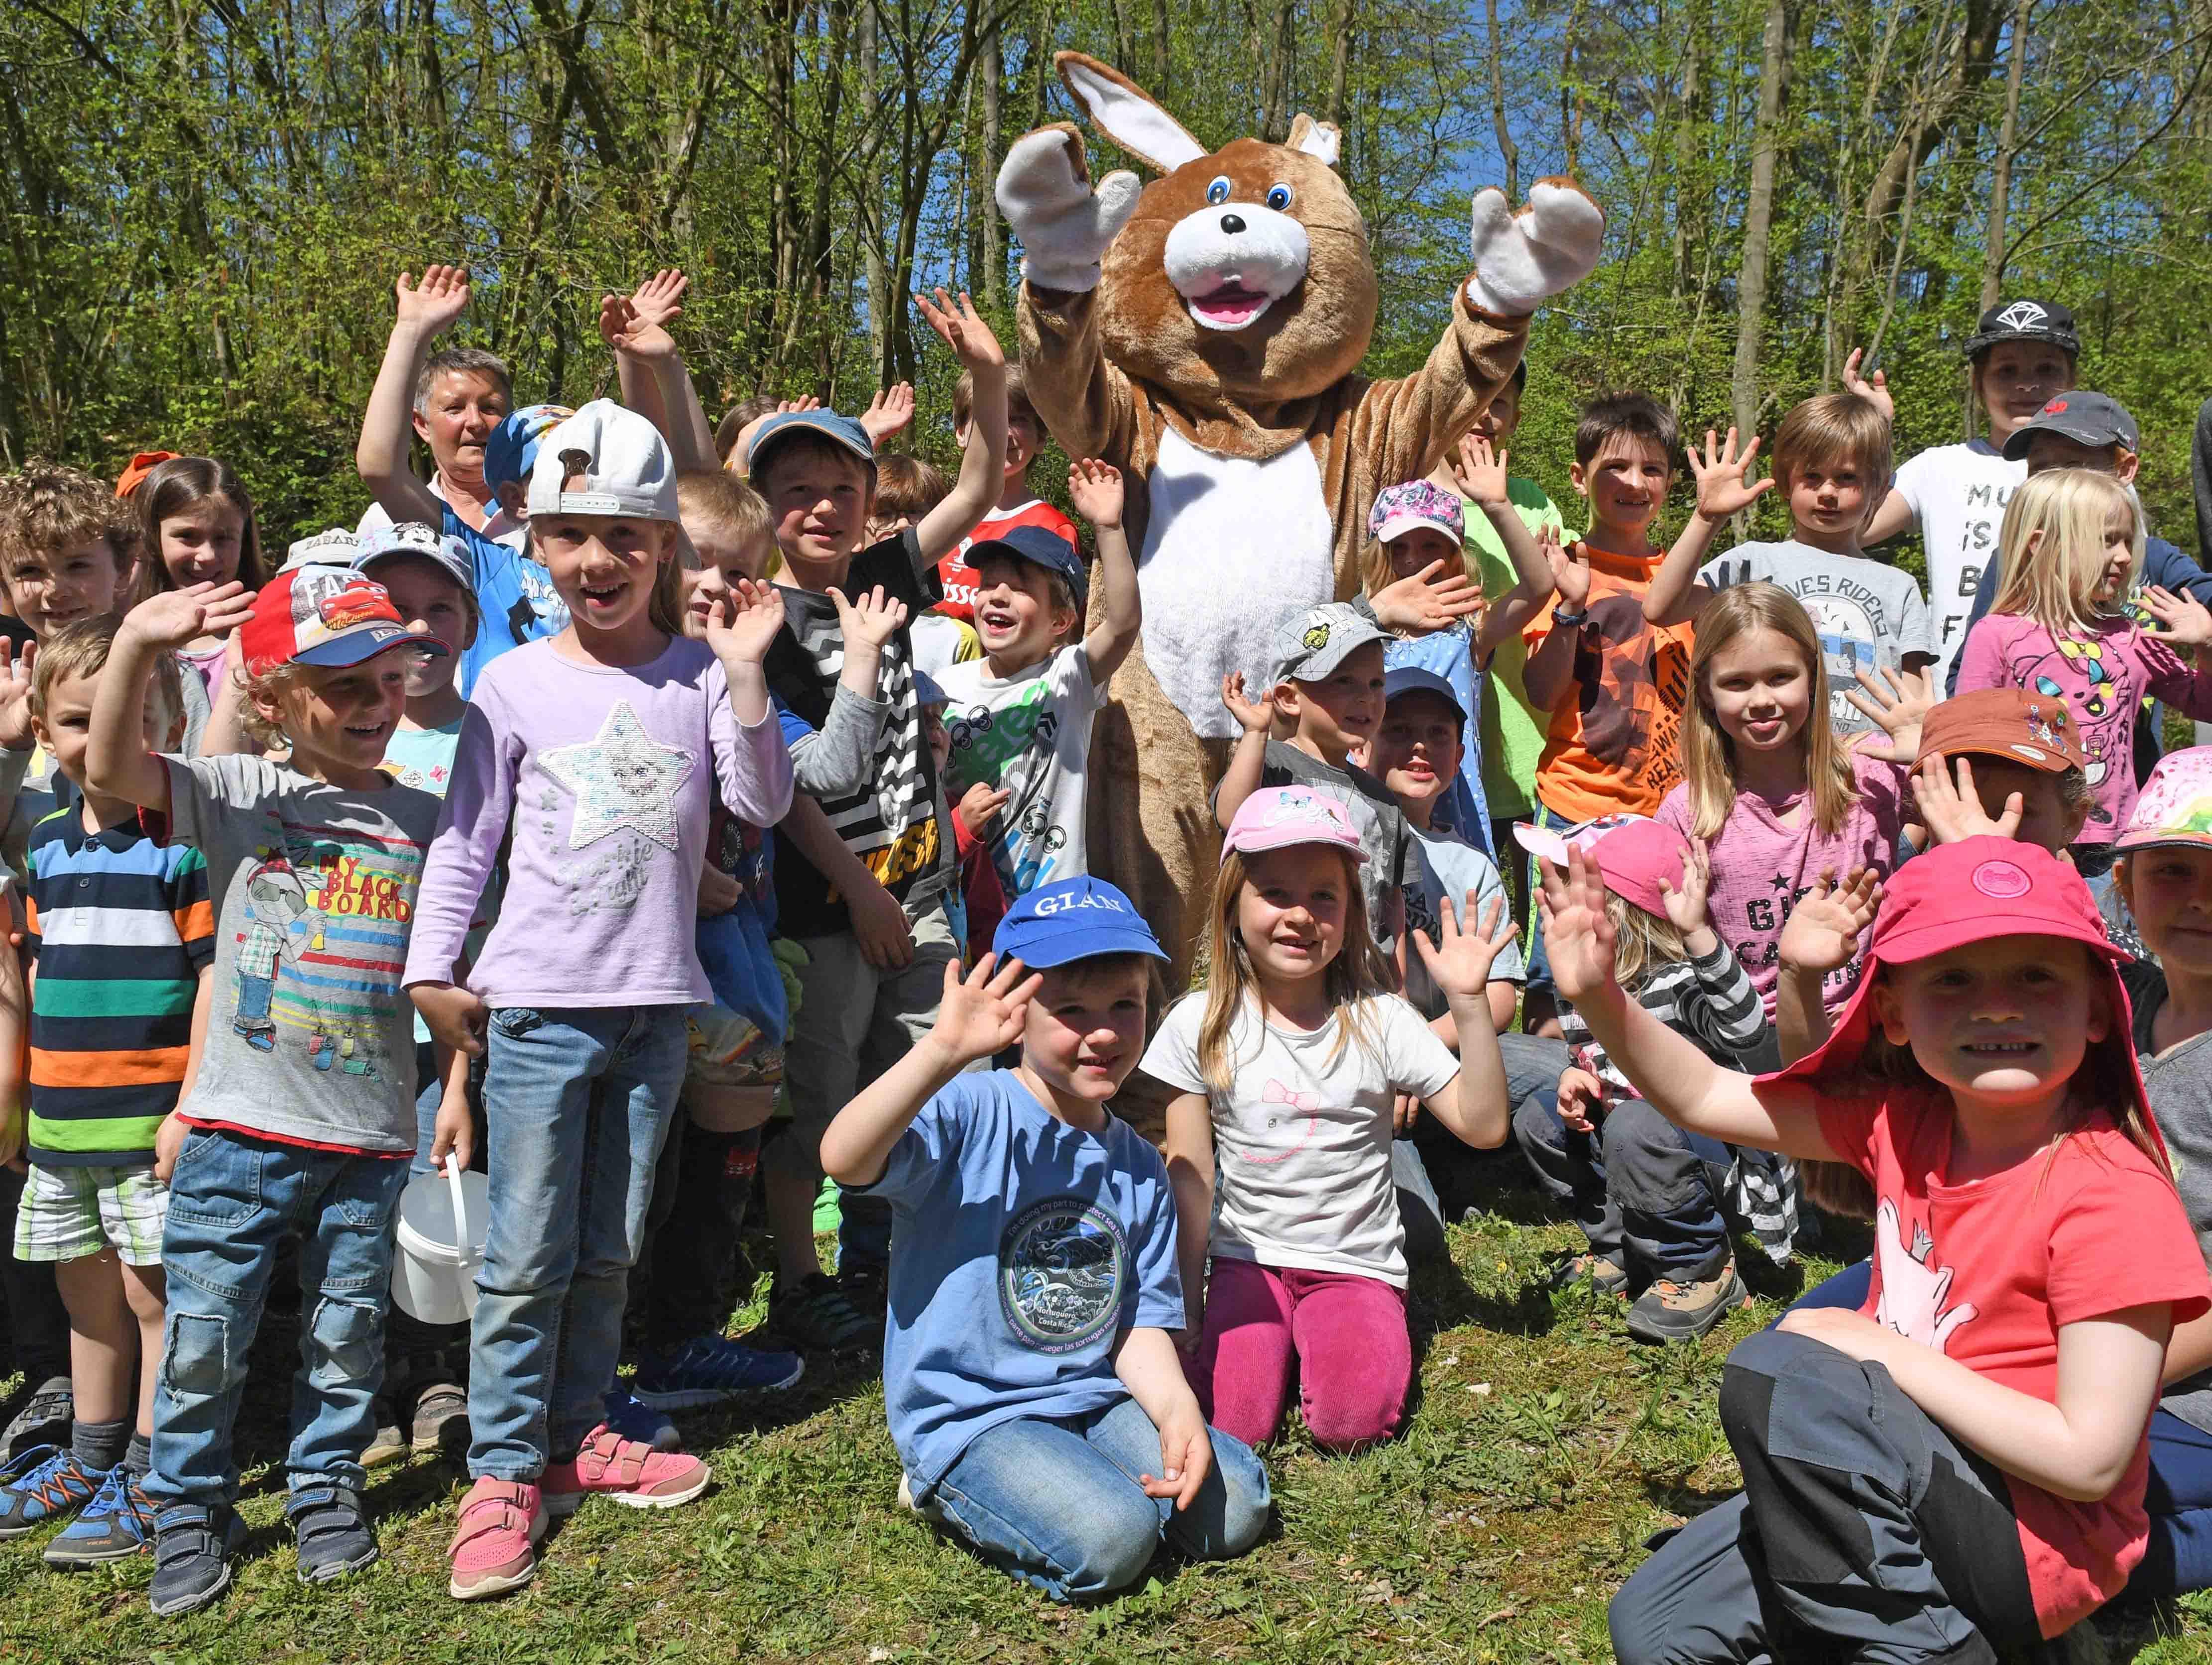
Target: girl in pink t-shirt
[1782,801]
[1957,1470]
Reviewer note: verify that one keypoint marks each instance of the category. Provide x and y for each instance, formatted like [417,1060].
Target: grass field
[1543,1449]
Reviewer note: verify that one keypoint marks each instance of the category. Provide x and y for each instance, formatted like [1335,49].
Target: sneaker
[495,1547]
[710,1369]
[45,1483]
[930,1511]
[116,1525]
[1602,1272]
[328,1526]
[1673,1311]
[43,1418]
[388,1444]
[865,1284]
[441,1419]
[818,1318]
[633,1418]
[192,1547]
[629,1471]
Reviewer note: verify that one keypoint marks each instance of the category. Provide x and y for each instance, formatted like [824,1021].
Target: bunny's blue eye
[1278,197]
[1218,190]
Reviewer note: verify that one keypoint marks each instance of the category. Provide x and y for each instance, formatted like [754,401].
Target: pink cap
[1276,818]
[1633,852]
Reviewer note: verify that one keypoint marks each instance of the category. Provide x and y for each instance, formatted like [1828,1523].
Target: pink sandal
[494,1546]
[628,1471]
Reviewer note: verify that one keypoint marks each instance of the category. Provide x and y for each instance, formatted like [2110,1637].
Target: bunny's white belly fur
[1234,547]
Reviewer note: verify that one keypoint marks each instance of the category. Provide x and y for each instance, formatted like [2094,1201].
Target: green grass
[1543,1449]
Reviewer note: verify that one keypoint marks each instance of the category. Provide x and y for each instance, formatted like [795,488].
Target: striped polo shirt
[120,926]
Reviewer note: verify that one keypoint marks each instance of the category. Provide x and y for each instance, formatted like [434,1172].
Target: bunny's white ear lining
[1128,115]
[1321,140]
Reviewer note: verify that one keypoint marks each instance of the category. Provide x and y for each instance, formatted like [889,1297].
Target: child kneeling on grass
[1034,1390]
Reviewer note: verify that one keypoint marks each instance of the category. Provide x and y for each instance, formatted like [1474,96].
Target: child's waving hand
[1257,716]
[175,617]
[1825,926]
[1095,488]
[432,305]
[1459,961]
[870,618]
[1570,570]
[15,695]
[1686,907]
[659,299]
[889,413]
[743,623]
[1720,489]
[1953,810]
[2181,618]
[1478,472]
[1577,934]
[1427,601]
[1873,390]
[963,330]
[983,1014]
[1899,708]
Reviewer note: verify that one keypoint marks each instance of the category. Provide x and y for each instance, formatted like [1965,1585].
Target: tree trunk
[1506,148]
[1691,201]
[992,70]
[880,299]
[1993,240]
[1759,215]
[1275,74]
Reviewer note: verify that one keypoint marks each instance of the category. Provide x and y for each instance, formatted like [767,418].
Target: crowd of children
[647,812]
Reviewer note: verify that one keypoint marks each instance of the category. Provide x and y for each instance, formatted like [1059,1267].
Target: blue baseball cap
[511,449]
[1413,679]
[1073,918]
[1040,548]
[841,431]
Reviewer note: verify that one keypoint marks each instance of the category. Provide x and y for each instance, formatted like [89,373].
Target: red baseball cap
[324,616]
[1633,852]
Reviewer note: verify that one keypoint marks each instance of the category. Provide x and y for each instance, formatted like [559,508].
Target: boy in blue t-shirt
[1030,1366]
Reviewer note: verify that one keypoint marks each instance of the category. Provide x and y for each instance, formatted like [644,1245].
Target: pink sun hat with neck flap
[2176,805]
[1633,852]
[1276,818]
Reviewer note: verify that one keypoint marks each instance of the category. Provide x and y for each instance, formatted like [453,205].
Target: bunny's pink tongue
[1231,303]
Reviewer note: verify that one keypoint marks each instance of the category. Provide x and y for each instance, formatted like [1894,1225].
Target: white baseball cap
[628,467]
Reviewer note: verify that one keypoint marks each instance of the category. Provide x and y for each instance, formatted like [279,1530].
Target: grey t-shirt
[310,1036]
[1446,864]
[2179,1084]
[1869,616]
[1374,816]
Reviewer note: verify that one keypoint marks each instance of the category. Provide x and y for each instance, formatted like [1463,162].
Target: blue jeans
[233,1200]
[1644,1192]
[1058,1503]
[577,1105]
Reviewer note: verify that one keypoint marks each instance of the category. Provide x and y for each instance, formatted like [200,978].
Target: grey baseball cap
[450,555]
[2086,418]
[1318,640]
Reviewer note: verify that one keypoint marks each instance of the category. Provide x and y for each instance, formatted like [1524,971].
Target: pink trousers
[1344,1334]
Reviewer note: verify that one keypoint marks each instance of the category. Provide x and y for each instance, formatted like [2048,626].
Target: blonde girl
[1287,1069]
[1778,797]
[1956,1470]
[2073,545]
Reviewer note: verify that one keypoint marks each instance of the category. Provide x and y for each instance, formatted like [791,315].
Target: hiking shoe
[633,1418]
[43,1418]
[865,1284]
[388,1444]
[192,1547]
[45,1483]
[817,1317]
[1675,1311]
[495,1547]
[333,1537]
[1604,1273]
[628,1471]
[441,1419]
[116,1525]
[710,1369]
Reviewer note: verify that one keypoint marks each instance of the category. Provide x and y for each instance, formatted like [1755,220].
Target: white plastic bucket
[443,1222]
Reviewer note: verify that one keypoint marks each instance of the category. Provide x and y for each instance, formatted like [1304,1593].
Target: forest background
[205,201]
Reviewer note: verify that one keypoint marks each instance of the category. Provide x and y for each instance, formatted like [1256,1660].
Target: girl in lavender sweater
[596,756]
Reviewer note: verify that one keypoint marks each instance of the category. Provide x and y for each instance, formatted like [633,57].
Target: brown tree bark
[1759,215]
[1993,239]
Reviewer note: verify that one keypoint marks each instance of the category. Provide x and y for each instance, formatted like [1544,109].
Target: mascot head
[1243,276]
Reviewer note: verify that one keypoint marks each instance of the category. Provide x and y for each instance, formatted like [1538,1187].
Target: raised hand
[963,330]
[1686,907]
[889,414]
[1900,703]
[869,619]
[979,806]
[15,695]
[1427,602]
[741,449]
[1874,390]
[176,617]
[1952,810]
[1570,570]
[743,622]
[1524,258]
[431,306]
[1459,961]
[983,1014]
[659,299]
[1045,190]
[1258,717]
[1578,936]
[1095,488]
[1720,489]
[1478,471]
[1824,929]
[624,331]
[2181,618]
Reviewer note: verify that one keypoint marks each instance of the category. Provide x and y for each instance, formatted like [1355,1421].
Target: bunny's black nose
[1232,223]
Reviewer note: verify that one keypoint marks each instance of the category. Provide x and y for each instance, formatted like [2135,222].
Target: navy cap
[1071,920]
[2091,419]
[1040,548]
[843,431]
[1412,679]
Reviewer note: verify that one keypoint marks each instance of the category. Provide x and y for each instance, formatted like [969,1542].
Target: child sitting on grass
[1031,1372]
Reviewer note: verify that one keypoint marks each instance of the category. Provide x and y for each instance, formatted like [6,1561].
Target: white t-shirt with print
[1031,734]
[1958,494]
[1302,1139]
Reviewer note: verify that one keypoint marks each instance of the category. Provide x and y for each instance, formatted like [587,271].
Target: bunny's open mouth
[1229,306]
